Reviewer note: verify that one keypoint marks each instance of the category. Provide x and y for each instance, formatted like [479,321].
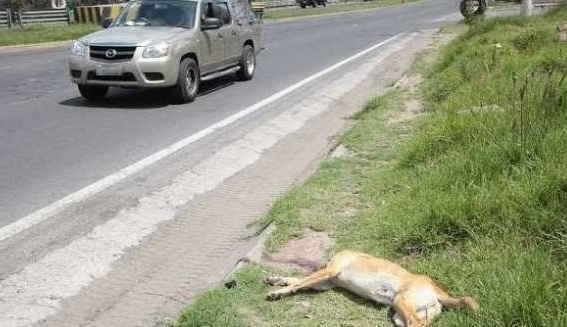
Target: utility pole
[527,7]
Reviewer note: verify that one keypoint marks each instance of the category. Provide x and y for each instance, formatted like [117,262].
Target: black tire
[247,64]
[188,81]
[93,92]
[467,13]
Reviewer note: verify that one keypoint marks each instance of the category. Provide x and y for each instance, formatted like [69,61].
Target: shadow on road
[118,98]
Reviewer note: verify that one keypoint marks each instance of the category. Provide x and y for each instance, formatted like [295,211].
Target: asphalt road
[53,143]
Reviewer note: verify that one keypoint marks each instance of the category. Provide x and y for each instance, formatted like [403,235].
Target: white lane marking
[36,292]
[92,189]
[454,17]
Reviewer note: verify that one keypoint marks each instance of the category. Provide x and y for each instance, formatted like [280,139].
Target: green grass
[44,33]
[291,12]
[473,194]
[244,305]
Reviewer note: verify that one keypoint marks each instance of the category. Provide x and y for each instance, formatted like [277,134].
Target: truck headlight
[79,49]
[156,51]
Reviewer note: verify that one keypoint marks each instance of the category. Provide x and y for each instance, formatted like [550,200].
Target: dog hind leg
[286,281]
[320,280]
[281,281]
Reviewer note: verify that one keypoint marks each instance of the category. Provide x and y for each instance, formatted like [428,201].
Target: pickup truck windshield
[171,13]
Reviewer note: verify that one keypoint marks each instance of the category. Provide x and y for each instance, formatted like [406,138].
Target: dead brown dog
[415,299]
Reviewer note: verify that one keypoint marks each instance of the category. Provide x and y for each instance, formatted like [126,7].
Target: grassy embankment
[473,193]
[40,33]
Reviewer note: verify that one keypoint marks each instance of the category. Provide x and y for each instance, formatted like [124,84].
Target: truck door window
[210,11]
[224,12]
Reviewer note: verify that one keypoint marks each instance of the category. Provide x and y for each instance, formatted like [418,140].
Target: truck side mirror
[106,21]
[211,23]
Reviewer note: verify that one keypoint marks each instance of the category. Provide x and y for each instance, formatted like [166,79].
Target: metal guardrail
[54,16]
[5,18]
[282,3]
[547,3]
[94,14]
[259,6]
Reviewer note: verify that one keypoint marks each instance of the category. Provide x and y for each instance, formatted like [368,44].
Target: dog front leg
[448,301]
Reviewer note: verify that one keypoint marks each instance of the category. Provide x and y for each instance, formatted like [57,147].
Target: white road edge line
[92,189]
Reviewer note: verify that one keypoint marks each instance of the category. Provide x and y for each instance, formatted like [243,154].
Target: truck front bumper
[134,72]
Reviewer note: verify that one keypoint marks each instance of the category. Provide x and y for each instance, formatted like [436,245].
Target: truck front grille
[111,52]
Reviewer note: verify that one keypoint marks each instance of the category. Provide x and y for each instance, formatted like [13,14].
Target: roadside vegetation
[44,33]
[52,33]
[473,192]
[296,11]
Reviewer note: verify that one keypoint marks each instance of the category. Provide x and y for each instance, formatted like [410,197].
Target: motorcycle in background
[471,8]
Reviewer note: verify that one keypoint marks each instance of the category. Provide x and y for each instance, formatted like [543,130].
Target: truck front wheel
[187,85]
[93,92]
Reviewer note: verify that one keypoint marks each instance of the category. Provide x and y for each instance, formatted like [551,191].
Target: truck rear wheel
[247,64]
[188,80]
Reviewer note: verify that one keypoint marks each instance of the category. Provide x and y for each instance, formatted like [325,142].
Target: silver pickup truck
[168,43]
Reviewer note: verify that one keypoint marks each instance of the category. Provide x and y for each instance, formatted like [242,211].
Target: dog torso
[381,288]
[371,279]
[376,279]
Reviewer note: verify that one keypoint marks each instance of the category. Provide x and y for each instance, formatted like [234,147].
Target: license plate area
[108,70]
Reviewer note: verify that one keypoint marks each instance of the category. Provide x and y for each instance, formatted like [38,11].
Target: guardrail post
[77,15]
[9,17]
[527,7]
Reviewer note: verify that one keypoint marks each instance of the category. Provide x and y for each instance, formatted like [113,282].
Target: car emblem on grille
[110,53]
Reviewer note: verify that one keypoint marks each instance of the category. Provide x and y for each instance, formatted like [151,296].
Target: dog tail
[310,265]
[465,302]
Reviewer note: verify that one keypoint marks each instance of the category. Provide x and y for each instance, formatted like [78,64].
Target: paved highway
[54,143]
